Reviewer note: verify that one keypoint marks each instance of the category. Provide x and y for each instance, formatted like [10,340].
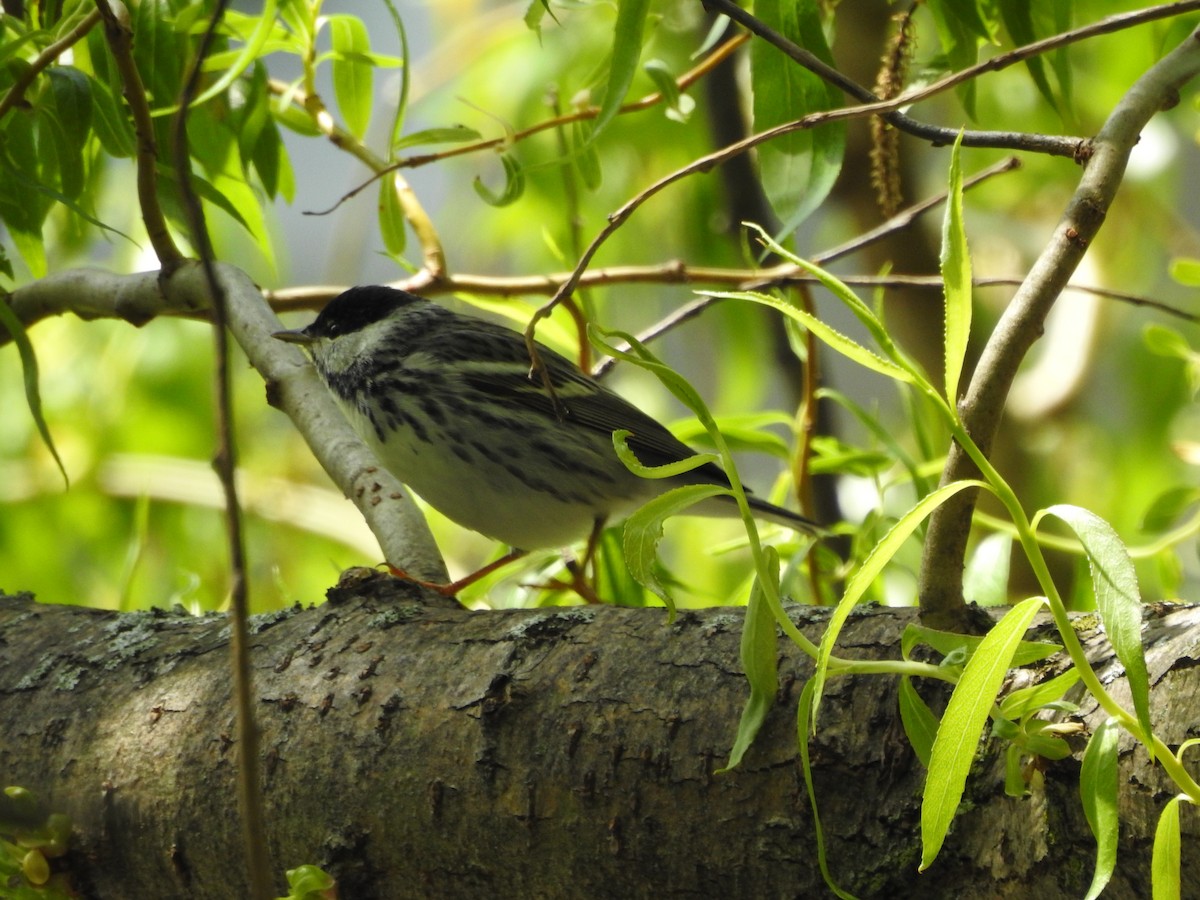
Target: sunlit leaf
[626,52]
[29,369]
[985,580]
[1117,599]
[881,554]
[949,642]
[962,724]
[352,72]
[1026,700]
[797,169]
[391,216]
[838,341]
[1164,859]
[956,279]
[666,470]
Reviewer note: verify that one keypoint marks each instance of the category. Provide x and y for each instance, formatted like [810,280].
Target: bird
[451,405]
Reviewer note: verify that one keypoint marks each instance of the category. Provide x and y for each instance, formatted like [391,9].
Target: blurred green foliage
[130,409]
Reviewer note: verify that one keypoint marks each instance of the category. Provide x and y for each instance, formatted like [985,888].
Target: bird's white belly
[483,496]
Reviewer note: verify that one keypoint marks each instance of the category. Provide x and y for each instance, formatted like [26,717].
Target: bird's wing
[499,368]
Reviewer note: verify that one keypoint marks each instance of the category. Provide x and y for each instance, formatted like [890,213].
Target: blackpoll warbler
[448,404]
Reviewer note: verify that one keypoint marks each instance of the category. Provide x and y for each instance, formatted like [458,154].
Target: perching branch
[292,385]
[1021,324]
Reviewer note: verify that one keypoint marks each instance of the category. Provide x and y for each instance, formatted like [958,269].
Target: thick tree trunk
[421,751]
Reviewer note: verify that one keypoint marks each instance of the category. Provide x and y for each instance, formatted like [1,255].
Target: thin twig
[1009,140]
[45,59]
[120,43]
[683,82]
[258,858]
[433,255]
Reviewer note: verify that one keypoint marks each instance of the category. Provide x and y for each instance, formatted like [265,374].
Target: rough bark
[420,751]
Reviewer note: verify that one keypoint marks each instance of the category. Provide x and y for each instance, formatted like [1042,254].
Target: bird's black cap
[351,311]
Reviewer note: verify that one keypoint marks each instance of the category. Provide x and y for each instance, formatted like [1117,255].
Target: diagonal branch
[982,406]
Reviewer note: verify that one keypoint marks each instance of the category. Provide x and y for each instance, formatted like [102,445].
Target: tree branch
[1021,324]
[292,385]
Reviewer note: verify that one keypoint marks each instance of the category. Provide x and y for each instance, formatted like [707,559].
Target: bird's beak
[293,336]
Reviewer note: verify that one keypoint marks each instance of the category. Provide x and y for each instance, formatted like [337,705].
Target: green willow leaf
[844,345]
[29,368]
[352,72]
[514,184]
[252,50]
[644,530]
[759,647]
[453,134]
[1098,791]
[626,53]
[920,724]
[1164,859]
[391,216]
[1027,700]
[956,278]
[666,470]
[962,724]
[881,554]
[1118,600]
[797,169]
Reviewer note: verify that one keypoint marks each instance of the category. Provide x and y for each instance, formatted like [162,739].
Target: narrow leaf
[881,554]
[391,215]
[760,644]
[920,724]
[1164,859]
[1098,791]
[644,531]
[1026,700]
[452,134]
[948,642]
[1118,601]
[627,51]
[844,345]
[804,713]
[798,169]
[985,580]
[352,72]
[253,48]
[514,184]
[960,728]
[666,470]
[956,278]
[29,367]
